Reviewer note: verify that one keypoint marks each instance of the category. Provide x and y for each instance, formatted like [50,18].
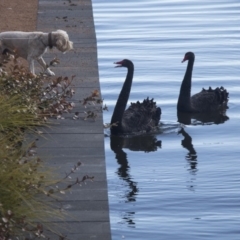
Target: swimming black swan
[205,101]
[139,117]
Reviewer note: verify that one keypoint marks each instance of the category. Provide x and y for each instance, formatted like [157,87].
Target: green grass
[26,184]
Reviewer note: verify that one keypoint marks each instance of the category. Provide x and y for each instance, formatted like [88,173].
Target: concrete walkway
[70,141]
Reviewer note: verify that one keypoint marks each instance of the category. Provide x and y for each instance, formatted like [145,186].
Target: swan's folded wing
[141,117]
[210,100]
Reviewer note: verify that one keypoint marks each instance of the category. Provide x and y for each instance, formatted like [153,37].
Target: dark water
[184,182]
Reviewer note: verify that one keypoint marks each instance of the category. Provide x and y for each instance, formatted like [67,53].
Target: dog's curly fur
[32,45]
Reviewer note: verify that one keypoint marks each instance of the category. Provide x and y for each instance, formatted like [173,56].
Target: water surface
[182,183]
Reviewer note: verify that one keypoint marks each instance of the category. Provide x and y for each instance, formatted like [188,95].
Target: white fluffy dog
[32,46]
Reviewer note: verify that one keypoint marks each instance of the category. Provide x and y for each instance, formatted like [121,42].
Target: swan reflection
[196,119]
[202,118]
[191,156]
[146,143]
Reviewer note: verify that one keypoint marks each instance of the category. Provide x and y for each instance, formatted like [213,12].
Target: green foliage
[26,185]
[23,182]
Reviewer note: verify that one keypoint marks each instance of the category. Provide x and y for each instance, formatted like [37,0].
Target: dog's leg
[44,65]
[31,65]
[1,56]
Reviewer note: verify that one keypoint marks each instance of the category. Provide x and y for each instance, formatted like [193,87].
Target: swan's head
[124,63]
[188,56]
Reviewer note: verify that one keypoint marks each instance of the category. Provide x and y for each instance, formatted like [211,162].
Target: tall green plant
[26,102]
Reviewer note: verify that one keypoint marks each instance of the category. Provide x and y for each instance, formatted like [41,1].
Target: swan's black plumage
[140,117]
[208,100]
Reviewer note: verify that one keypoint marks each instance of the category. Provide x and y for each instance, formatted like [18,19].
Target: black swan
[205,101]
[140,117]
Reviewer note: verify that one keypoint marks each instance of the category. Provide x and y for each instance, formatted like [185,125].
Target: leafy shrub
[26,184]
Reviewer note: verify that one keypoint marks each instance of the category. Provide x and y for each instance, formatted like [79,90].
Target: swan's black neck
[184,100]
[122,102]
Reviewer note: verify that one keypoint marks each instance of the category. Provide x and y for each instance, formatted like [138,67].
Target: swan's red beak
[184,59]
[119,64]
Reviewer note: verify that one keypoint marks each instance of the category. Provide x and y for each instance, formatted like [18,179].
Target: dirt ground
[18,15]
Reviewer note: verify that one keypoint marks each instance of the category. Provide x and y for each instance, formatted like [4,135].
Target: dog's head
[62,41]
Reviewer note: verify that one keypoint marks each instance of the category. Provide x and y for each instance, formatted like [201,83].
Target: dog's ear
[64,44]
[61,43]
[69,45]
